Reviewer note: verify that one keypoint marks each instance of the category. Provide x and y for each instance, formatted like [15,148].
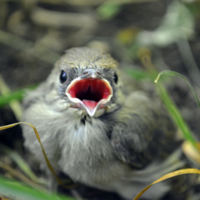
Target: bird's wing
[142,132]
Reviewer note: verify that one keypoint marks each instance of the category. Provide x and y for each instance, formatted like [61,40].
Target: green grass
[16,190]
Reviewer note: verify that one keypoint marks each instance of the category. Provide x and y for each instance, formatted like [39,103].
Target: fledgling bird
[99,129]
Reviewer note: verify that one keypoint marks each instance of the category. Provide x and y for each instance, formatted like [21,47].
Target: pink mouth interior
[90,91]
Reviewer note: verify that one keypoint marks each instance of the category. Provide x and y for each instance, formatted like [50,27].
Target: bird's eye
[63,76]
[115,78]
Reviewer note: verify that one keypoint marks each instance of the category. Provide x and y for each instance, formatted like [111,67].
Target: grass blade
[173,110]
[20,162]
[167,176]
[14,189]
[172,73]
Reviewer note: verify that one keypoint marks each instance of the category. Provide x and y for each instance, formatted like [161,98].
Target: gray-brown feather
[120,151]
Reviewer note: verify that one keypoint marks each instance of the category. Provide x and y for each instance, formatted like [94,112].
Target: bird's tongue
[90,104]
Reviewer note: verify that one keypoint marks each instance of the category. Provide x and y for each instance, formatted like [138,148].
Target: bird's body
[120,142]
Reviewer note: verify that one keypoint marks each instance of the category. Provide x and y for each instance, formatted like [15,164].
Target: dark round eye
[115,78]
[63,76]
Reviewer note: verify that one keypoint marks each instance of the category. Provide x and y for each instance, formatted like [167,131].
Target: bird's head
[88,80]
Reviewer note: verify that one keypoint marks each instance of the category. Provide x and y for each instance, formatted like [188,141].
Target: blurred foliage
[15,190]
[108,10]
[14,95]
[20,162]
[178,23]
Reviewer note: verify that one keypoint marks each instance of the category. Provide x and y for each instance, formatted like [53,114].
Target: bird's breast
[86,148]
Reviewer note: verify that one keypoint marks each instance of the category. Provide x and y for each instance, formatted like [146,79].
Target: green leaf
[16,190]
[108,10]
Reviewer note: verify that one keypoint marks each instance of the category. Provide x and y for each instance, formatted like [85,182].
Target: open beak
[90,92]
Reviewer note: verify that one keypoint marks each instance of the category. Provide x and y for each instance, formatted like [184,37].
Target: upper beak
[90,91]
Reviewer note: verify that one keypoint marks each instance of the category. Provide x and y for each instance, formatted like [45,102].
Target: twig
[55,19]
[28,47]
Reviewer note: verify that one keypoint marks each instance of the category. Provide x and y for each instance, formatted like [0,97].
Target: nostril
[85,73]
[99,73]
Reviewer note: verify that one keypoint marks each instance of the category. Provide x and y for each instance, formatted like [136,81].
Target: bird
[99,127]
